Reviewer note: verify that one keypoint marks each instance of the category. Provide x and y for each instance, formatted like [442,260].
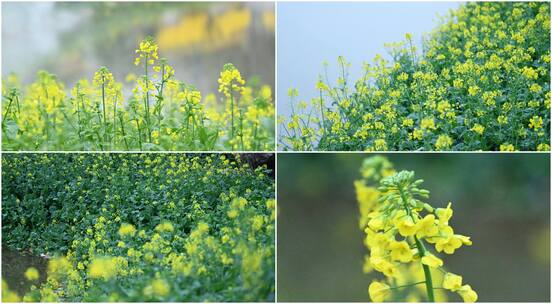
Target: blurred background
[73,39]
[501,200]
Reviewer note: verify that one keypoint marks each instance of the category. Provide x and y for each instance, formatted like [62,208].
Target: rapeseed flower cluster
[161,113]
[481,83]
[230,80]
[400,230]
[141,227]
[32,274]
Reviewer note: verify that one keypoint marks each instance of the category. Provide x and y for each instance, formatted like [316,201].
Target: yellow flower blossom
[543,147]
[535,122]
[157,288]
[507,147]
[400,251]
[444,214]
[165,227]
[443,142]
[477,128]
[467,294]
[426,227]
[428,123]
[378,291]
[127,230]
[452,281]
[32,274]
[102,268]
[405,224]
[431,260]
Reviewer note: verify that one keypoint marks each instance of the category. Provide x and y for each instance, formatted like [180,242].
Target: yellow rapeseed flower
[405,224]
[535,122]
[428,123]
[127,230]
[452,281]
[400,251]
[158,288]
[467,294]
[443,142]
[102,268]
[426,227]
[431,260]
[32,274]
[165,227]
[477,128]
[378,291]
[444,214]
[507,147]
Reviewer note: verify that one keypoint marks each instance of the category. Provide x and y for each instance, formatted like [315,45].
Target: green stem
[241,129]
[407,285]
[114,139]
[421,250]
[232,115]
[146,102]
[139,133]
[78,115]
[123,131]
[255,134]
[103,106]
[322,114]
[7,111]
[427,272]
[160,98]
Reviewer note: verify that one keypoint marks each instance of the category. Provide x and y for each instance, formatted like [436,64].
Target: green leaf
[11,129]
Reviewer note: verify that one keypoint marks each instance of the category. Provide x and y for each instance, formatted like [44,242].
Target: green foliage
[142,227]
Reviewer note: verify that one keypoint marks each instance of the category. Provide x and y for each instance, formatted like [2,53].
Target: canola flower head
[147,51]
[58,267]
[477,128]
[103,77]
[443,142]
[376,167]
[230,80]
[9,296]
[32,274]
[165,227]
[127,230]
[507,147]
[102,268]
[157,288]
[405,234]
[543,147]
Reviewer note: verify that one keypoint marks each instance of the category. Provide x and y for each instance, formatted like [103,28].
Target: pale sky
[312,32]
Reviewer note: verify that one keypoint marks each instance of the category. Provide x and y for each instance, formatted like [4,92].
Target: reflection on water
[14,265]
[72,40]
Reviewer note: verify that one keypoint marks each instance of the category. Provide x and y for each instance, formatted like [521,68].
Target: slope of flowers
[401,231]
[141,227]
[482,82]
[162,112]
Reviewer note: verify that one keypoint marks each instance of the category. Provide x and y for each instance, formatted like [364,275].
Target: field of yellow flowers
[481,82]
[141,227]
[162,112]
